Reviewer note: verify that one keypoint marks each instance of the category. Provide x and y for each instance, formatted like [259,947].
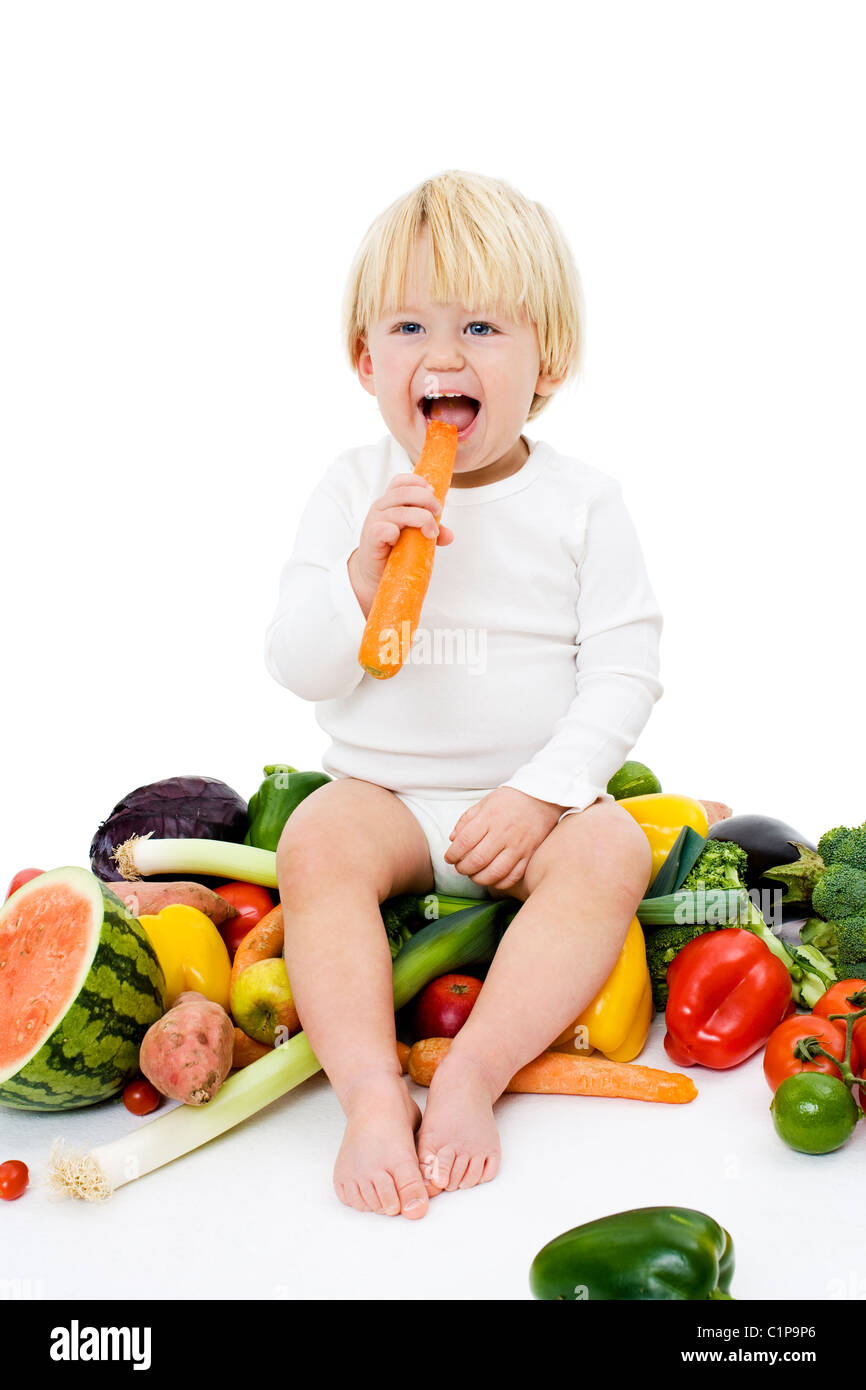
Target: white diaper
[437,817]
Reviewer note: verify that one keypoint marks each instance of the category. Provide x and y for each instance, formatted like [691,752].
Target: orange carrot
[553,1073]
[263,942]
[247,1050]
[396,608]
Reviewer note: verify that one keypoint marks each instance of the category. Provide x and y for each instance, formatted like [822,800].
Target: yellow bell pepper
[661,816]
[191,952]
[618,1019]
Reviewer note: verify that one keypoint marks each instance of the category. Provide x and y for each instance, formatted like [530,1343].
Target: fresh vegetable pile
[160,973]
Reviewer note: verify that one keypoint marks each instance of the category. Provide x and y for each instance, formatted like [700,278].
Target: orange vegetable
[553,1073]
[396,609]
[246,1050]
[263,942]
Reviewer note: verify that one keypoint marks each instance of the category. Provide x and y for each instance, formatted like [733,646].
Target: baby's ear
[548,385]
[365,369]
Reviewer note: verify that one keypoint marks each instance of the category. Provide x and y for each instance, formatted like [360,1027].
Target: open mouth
[458,410]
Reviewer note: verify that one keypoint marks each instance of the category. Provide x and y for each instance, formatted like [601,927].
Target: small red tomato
[835,1001]
[779,1059]
[14,1177]
[140,1097]
[23,876]
[252,902]
[444,1006]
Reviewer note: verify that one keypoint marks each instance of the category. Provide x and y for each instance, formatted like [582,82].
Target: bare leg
[580,892]
[348,847]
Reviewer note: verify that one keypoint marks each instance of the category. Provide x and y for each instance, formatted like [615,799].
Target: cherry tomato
[14,1177]
[252,902]
[444,1006]
[835,1001]
[23,876]
[140,1097]
[779,1059]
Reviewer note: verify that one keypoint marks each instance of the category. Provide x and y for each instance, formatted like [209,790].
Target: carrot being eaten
[396,609]
[554,1073]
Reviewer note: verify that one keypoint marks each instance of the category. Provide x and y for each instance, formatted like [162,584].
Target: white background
[183,188]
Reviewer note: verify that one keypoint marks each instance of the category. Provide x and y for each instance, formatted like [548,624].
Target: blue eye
[401,326]
[489,327]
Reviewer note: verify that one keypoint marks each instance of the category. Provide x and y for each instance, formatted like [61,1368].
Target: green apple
[261,1001]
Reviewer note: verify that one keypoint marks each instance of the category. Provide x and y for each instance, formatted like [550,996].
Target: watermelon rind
[92,1051]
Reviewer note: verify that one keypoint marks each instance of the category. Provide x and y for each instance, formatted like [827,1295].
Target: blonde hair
[490,248]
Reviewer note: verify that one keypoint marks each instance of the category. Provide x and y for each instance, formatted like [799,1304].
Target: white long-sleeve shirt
[535,662]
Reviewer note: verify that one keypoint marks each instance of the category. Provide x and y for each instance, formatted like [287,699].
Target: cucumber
[467,937]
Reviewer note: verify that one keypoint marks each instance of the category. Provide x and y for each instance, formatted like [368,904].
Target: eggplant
[176,808]
[767,842]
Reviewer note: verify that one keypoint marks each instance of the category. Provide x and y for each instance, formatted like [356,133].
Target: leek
[141,855]
[699,907]
[94,1176]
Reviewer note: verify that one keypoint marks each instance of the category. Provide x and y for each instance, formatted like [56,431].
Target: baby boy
[480,768]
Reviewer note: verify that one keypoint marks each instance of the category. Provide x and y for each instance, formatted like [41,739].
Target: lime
[814,1113]
[633,779]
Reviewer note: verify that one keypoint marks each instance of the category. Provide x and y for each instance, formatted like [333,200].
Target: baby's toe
[436,1166]
[411,1191]
[458,1171]
[372,1201]
[491,1168]
[352,1196]
[386,1191]
[474,1169]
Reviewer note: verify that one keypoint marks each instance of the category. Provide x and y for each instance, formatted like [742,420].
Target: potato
[187,1054]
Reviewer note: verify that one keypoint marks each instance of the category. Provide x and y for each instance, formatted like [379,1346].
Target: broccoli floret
[844,845]
[661,947]
[841,892]
[721,864]
[400,915]
[843,940]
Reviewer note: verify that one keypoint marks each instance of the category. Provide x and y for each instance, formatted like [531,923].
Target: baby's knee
[630,850]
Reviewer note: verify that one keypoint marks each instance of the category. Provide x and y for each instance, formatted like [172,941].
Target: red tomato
[252,902]
[140,1097]
[835,1001]
[444,1005]
[23,876]
[14,1177]
[779,1059]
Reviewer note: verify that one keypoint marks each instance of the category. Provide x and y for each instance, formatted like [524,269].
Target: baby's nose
[444,355]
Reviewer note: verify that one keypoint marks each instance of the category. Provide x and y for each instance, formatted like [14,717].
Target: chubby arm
[312,641]
[616,664]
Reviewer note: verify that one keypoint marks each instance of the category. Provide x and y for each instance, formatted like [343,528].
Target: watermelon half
[80,985]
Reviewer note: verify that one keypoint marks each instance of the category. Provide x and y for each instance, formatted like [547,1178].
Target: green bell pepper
[651,1253]
[269,808]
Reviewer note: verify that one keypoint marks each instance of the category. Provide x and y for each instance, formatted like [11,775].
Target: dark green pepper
[283,789]
[651,1253]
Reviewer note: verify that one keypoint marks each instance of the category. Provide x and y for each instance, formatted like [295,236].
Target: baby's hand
[493,842]
[409,500]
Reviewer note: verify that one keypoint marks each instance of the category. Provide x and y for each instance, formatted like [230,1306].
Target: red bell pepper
[726,994]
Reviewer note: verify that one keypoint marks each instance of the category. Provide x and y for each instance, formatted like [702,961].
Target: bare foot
[377,1166]
[458,1143]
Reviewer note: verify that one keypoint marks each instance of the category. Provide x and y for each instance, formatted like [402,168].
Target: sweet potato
[143,898]
[716,811]
[187,1054]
